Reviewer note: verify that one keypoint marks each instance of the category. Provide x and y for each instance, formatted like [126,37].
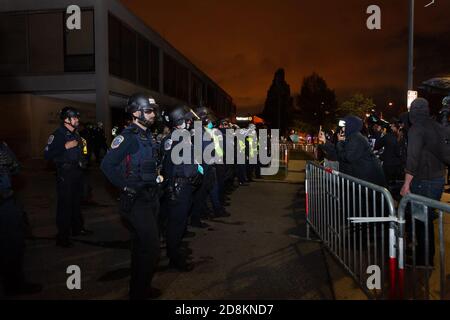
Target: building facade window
[182,92]
[170,76]
[13,44]
[114,37]
[154,68]
[122,50]
[196,89]
[176,79]
[212,99]
[128,54]
[79,45]
[46,45]
[143,62]
[132,56]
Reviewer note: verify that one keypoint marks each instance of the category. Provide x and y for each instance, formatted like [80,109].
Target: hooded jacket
[421,162]
[356,156]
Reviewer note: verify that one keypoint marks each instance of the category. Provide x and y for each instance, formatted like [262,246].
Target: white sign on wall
[412,95]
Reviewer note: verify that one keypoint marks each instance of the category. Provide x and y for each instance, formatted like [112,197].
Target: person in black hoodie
[355,155]
[424,173]
[357,159]
[391,156]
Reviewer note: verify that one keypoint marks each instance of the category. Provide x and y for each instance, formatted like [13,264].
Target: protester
[424,171]
[391,156]
[354,153]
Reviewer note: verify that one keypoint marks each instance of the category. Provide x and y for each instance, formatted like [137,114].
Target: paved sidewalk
[257,253]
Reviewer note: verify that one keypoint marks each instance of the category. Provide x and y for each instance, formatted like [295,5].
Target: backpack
[441,149]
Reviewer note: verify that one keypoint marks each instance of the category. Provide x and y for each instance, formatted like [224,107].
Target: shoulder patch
[50,139]
[168,144]
[117,141]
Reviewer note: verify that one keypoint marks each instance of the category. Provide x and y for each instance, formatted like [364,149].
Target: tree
[357,105]
[317,103]
[278,103]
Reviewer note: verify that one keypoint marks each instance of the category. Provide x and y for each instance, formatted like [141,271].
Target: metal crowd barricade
[284,147]
[420,211]
[332,199]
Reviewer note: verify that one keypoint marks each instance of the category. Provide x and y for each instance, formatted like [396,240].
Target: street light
[411,46]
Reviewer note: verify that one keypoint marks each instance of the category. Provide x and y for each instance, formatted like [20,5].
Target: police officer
[211,180]
[184,177]
[252,153]
[65,149]
[131,166]
[12,233]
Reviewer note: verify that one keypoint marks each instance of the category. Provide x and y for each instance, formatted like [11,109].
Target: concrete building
[45,66]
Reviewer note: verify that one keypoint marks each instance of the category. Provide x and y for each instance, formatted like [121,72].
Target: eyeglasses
[149,111]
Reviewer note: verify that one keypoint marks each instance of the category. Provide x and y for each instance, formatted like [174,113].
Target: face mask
[210,125]
[182,126]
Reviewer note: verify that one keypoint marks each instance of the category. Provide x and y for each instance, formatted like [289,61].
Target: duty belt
[196,180]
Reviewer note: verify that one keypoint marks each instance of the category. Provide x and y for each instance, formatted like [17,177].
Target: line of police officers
[157,194]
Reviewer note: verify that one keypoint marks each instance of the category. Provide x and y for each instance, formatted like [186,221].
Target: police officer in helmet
[131,166]
[212,178]
[183,179]
[65,149]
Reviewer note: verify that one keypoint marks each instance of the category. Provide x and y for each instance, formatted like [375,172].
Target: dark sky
[241,43]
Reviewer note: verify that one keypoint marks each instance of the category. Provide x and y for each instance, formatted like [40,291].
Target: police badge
[50,139]
[117,141]
[168,144]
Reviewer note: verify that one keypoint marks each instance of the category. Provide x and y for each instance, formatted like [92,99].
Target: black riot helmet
[176,116]
[68,112]
[144,103]
[202,113]
[191,117]
[206,115]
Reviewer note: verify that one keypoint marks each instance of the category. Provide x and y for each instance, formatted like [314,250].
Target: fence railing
[297,146]
[421,238]
[332,200]
[351,216]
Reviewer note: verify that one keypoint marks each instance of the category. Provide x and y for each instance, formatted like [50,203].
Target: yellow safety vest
[241,145]
[217,148]
[85,149]
[252,147]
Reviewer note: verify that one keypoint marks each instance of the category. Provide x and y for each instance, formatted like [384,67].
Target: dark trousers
[199,204]
[142,222]
[241,172]
[163,215]
[177,221]
[69,188]
[221,172]
[229,176]
[12,244]
[431,189]
[393,173]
